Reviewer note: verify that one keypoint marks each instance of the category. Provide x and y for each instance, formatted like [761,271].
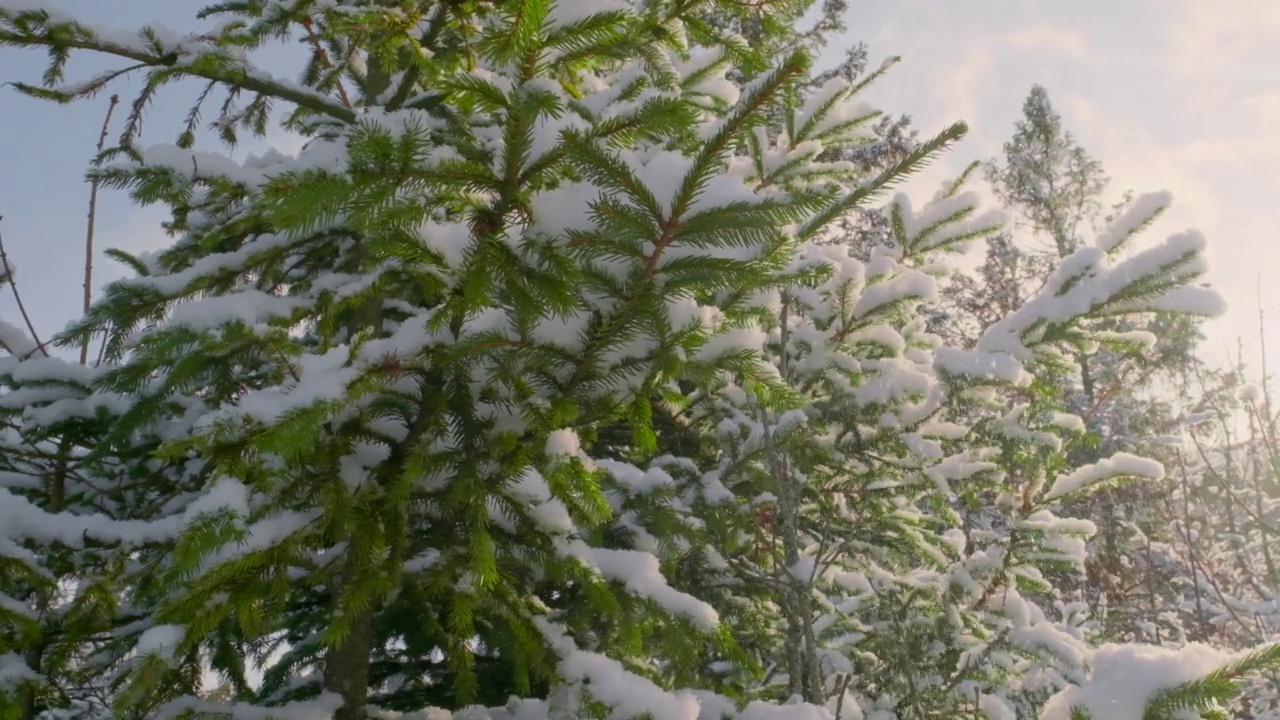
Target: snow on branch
[1119,465]
[27,23]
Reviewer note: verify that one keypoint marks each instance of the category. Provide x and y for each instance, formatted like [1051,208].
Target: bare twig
[1262,336]
[842,688]
[1191,551]
[88,234]
[22,308]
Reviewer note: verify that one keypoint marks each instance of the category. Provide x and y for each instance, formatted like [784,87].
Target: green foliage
[541,372]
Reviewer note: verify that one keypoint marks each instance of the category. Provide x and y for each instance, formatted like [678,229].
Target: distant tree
[1056,190]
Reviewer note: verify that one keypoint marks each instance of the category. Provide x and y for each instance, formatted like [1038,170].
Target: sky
[1179,95]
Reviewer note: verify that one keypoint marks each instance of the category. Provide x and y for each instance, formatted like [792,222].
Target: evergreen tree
[319,344]
[542,371]
[890,600]
[1056,189]
[1047,177]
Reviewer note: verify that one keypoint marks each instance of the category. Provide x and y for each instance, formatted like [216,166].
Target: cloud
[1042,38]
[1138,160]
[1225,37]
[1220,187]
[975,65]
[1265,110]
[959,89]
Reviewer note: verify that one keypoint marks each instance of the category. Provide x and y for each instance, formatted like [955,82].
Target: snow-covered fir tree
[1056,191]
[541,382]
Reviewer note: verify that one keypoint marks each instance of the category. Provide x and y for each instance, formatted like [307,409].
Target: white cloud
[1043,38]
[1231,37]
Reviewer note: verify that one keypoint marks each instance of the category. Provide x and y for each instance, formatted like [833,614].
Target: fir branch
[41,28]
[323,57]
[916,160]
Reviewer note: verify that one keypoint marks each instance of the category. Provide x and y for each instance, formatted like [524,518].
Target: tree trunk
[346,667]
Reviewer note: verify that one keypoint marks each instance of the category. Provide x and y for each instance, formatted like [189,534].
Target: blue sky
[1182,95]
